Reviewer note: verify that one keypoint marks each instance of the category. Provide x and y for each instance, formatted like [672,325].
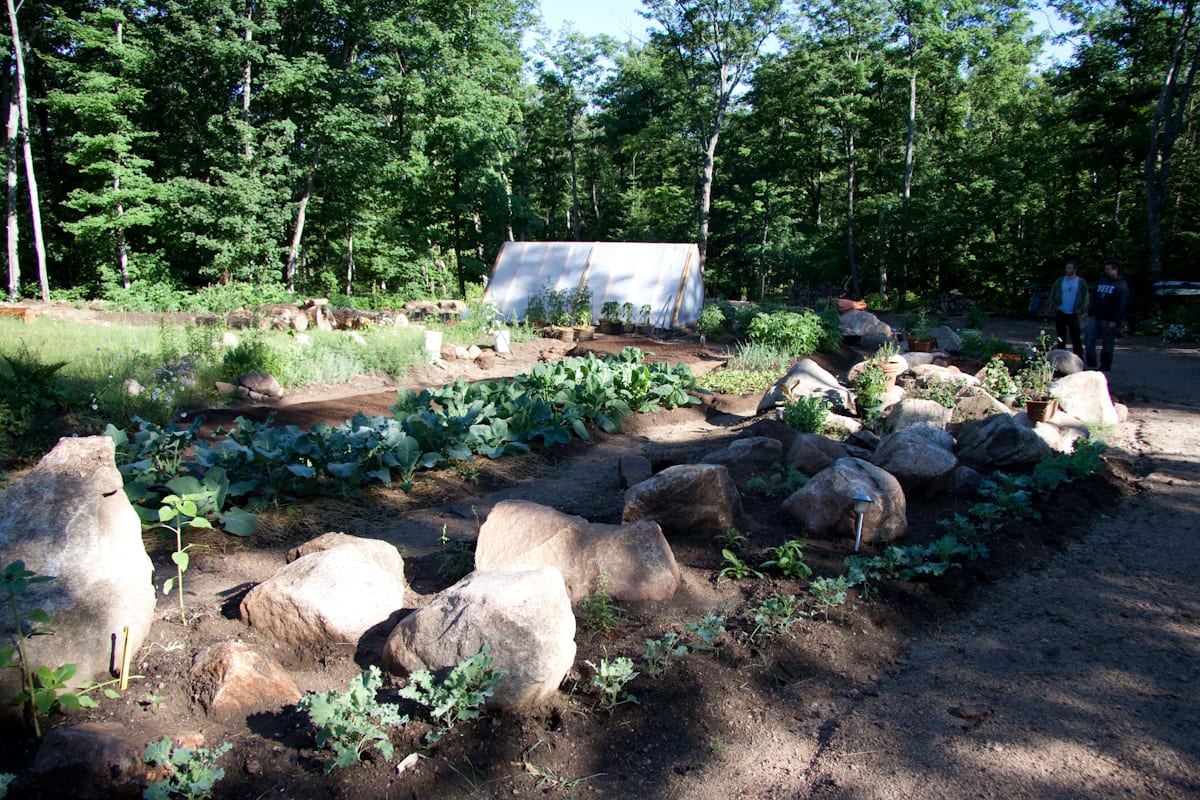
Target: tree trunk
[850,178]
[39,245]
[298,231]
[122,250]
[14,263]
[910,141]
[882,250]
[349,262]
[1173,99]
[706,187]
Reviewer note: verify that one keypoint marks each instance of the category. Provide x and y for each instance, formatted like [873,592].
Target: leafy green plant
[730,539]
[706,632]
[597,610]
[1033,379]
[806,414]
[610,310]
[253,354]
[44,688]
[778,482]
[184,513]
[788,558]
[190,773]
[738,381]
[735,568]
[943,391]
[797,333]
[775,616]
[661,652]
[461,696]
[352,721]
[712,320]
[829,592]
[996,380]
[869,387]
[610,678]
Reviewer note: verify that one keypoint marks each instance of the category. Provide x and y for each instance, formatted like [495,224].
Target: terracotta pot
[584,333]
[891,371]
[1040,410]
[921,345]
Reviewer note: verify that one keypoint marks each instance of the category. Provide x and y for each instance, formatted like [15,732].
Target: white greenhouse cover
[666,276]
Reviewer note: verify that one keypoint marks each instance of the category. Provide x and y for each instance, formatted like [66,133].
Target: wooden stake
[125,655]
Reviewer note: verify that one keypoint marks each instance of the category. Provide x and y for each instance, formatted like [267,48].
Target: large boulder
[811,452]
[330,596]
[233,677]
[1084,395]
[915,411]
[947,338]
[69,519]
[686,498]
[825,506]
[919,457]
[1065,362]
[806,378]
[863,323]
[637,558]
[748,455]
[524,616]
[100,760]
[998,442]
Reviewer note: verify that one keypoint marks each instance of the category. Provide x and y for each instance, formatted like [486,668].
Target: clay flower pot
[1040,410]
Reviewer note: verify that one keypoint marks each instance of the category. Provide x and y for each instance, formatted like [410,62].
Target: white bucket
[502,344]
[433,345]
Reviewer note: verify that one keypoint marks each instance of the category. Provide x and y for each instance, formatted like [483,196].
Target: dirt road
[1080,679]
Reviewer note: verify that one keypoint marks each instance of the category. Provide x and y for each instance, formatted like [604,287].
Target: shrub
[806,414]
[796,333]
[712,320]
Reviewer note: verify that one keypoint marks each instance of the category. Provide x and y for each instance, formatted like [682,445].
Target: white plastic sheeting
[665,276]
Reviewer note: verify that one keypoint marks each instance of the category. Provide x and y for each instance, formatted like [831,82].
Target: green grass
[753,369]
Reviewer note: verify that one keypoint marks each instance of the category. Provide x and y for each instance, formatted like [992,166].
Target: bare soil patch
[1063,666]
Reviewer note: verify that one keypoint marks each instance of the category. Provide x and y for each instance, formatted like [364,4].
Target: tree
[27,151]
[716,44]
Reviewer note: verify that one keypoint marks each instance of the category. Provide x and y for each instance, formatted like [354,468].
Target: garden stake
[125,655]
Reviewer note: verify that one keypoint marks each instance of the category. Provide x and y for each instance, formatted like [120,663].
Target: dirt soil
[1065,666]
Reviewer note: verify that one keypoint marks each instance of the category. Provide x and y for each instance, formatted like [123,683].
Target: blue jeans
[1107,332]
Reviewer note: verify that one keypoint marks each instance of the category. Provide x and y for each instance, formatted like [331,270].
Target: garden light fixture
[862,502]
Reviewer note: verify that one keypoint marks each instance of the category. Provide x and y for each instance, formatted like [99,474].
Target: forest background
[377,149]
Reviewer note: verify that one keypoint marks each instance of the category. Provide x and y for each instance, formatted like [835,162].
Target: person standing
[1107,313]
[1069,295]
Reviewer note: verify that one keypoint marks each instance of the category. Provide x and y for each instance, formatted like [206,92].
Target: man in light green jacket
[1069,297]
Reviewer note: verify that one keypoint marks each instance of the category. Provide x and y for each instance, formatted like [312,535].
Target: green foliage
[869,387]
[911,561]
[732,540]
[978,346]
[712,320]
[184,512]
[797,333]
[775,616]
[609,678]
[16,581]
[731,380]
[191,773]
[253,354]
[705,632]
[788,558]
[735,568]
[456,557]
[996,380]
[778,483]
[829,592]
[352,721]
[460,697]
[1033,379]
[597,610]
[6,779]
[943,391]
[806,414]
[30,392]
[660,653]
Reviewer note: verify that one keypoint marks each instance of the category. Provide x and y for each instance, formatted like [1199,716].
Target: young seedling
[351,721]
[732,540]
[706,632]
[735,568]
[183,511]
[610,678]
[460,697]
[788,558]
[829,592]
[775,616]
[190,773]
[599,611]
[661,652]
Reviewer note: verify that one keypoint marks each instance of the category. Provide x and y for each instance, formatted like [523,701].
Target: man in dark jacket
[1109,300]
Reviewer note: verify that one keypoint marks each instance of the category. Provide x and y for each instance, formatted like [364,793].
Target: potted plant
[583,325]
[921,339]
[1033,381]
[627,314]
[610,317]
[644,327]
[535,310]
[997,381]
[889,360]
[869,389]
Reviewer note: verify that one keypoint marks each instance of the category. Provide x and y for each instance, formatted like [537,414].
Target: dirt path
[1077,680]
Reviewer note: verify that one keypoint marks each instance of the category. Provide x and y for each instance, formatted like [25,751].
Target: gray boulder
[1085,397]
[524,616]
[686,498]
[806,378]
[330,596]
[998,442]
[69,519]
[811,452]
[947,339]
[1065,362]
[863,323]
[915,411]
[636,557]
[751,454]
[919,457]
[261,383]
[825,506]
